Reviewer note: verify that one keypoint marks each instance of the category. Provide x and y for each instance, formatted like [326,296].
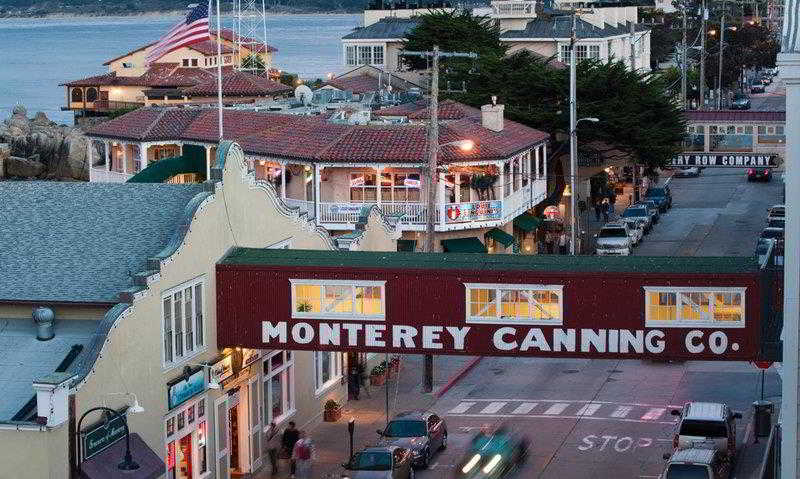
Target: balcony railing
[514,9]
[101,175]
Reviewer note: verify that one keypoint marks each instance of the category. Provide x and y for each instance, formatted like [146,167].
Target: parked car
[652,209]
[757,87]
[697,464]
[390,462]
[776,211]
[758,174]
[706,425]
[762,248]
[662,196]
[635,214]
[740,102]
[636,231]
[614,239]
[423,433]
[686,172]
[777,223]
[492,456]
[776,234]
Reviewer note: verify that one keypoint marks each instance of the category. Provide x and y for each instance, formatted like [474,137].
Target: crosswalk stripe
[588,409]
[654,413]
[462,408]
[622,411]
[525,408]
[556,408]
[493,407]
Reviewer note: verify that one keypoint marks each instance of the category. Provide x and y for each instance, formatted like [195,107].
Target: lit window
[514,304]
[329,298]
[182,315]
[327,370]
[689,307]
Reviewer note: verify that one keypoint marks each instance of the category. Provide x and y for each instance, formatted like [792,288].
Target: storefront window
[338,298]
[328,369]
[278,385]
[400,187]
[186,432]
[675,307]
[514,304]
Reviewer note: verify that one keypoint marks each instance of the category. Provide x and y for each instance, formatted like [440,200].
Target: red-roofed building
[331,168]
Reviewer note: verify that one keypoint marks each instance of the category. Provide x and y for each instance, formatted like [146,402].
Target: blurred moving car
[757,87]
[697,464]
[706,425]
[740,101]
[614,239]
[492,456]
[759,174]
[423,433]
[390,462]
[686,172]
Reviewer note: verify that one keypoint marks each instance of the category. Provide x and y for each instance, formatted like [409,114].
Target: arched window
[77,95]
[91,94]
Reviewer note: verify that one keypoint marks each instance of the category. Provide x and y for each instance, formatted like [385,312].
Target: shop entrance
[184,460]
[239,429]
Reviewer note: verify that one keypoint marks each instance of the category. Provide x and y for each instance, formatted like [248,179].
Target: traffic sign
[762,364]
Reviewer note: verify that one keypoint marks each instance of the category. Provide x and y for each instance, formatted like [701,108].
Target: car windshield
[634,212]
[612,233]
[687,471]
[740,98]
[776,223]
[372,461]
[772,234]
[405,429]
[778,212]
[655,192]
[709,429]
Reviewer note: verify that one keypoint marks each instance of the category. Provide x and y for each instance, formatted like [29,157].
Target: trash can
[762,413]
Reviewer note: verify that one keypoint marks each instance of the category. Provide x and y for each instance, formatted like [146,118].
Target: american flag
[193,29]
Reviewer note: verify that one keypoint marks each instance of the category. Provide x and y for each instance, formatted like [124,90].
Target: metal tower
[250,34]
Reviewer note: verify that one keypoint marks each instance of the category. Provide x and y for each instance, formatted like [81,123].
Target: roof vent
[44,319]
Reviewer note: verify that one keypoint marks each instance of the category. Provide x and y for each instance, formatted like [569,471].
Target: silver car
[421,432]
[389,462]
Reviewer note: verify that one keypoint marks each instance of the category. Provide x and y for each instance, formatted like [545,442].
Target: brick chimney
[492,116]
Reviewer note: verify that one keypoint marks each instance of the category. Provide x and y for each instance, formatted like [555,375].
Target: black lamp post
[127,464]
[351,427]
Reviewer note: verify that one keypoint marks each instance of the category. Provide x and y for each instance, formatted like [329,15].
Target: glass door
[221,438]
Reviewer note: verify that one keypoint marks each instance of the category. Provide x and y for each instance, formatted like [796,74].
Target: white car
[636,231]
[614,239]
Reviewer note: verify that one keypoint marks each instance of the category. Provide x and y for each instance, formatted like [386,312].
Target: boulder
[41,119]
[77,160]
[5,152]
[16,166]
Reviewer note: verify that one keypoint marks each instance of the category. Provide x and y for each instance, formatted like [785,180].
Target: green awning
[501,237]
[406,245]
[193,160]
[527,222]
[463,245]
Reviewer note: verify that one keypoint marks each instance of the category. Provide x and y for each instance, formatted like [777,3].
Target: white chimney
[52,392]
[492,117]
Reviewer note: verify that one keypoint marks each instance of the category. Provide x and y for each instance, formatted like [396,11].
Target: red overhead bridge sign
[497,305]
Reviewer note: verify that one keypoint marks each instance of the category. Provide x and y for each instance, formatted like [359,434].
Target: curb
[457,377]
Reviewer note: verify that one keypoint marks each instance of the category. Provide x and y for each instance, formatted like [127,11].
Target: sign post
[763,366]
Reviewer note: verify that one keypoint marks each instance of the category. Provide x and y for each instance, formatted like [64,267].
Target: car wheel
[444,443]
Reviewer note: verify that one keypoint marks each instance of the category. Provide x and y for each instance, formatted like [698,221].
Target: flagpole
[219,71]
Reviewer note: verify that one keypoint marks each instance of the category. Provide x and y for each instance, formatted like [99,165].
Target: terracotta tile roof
[235,83]
[418,110]
[158,75]
[209,47]
[317,139]
[357,84]
[96,80]
[401,110]
[734,116]
[227,34]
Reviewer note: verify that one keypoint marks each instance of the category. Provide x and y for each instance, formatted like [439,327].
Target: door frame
[223,452]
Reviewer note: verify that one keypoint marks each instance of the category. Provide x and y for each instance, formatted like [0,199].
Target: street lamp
[573,153]
[463,145]
[135,408]
[127,464]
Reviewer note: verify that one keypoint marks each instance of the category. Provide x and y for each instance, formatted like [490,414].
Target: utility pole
[431,171]
[573,141]
[684,64]
[703,57]
[721,47]
[633,54]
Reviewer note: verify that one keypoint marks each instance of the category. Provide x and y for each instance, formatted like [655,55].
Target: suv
[614,239]
[662,196]
[421,432]
[632,214]
[706,425]
[697,464]
[380,463]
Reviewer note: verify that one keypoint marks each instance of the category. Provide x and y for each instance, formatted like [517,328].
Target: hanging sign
[222,369]
[102,435]
[249,356]
[356,181]
[552,213]
[476,211]
[735,160]
[186,387]
[412,182]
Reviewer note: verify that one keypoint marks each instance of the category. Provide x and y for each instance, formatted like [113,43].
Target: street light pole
[127,464]
[702,105]
[684,65]
[573,141]
[721,47]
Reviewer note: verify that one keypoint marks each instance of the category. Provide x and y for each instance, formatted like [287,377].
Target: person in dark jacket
[288,440]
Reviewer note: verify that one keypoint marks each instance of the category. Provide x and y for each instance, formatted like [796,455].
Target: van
[706,425]
[697,464]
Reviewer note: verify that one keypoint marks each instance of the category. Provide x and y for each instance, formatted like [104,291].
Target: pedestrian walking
[549,242]
[303,457]
[605,208]
[272,442]
[562,243]
[598,210]
[290,437]
[611,211]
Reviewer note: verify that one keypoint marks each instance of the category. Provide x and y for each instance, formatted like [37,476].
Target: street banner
[726,160]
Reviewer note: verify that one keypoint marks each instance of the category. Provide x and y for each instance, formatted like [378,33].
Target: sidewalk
[752,454]
[331,440]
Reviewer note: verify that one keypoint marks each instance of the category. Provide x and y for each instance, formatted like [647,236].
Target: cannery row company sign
[498,305]
[735,160]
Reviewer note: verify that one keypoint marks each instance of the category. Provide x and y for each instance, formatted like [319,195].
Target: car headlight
[493,462]
[473,461]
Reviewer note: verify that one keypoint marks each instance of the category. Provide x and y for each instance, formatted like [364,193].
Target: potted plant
[333,411]
[378,375]
[394,365]
[303,307]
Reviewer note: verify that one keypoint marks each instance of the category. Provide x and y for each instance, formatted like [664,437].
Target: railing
[412,213]
[110,105]
[101,175]
[303,205]
[340,212]
[514,9]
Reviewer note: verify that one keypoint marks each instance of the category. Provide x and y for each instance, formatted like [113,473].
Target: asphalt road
[774,99]
[609,418]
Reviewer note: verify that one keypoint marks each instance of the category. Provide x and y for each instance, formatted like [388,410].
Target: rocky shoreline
[39,149]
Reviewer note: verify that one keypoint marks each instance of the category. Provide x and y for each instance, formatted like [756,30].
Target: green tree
[253,62]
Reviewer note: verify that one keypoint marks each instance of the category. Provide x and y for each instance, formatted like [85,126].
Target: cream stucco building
[128,272]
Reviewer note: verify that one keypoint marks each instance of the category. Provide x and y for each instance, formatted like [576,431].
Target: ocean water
[36,55]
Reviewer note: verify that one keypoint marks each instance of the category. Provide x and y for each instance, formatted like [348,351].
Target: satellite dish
[304,94]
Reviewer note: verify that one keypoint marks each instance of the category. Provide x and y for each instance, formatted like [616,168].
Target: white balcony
[513,9]
[101,175]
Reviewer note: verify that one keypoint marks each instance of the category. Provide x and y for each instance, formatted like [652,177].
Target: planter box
[332,415]
[379,380]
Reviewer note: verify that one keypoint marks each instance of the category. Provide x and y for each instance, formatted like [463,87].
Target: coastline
[151,14]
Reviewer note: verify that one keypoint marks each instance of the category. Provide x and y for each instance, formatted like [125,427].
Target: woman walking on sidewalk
[303,456]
